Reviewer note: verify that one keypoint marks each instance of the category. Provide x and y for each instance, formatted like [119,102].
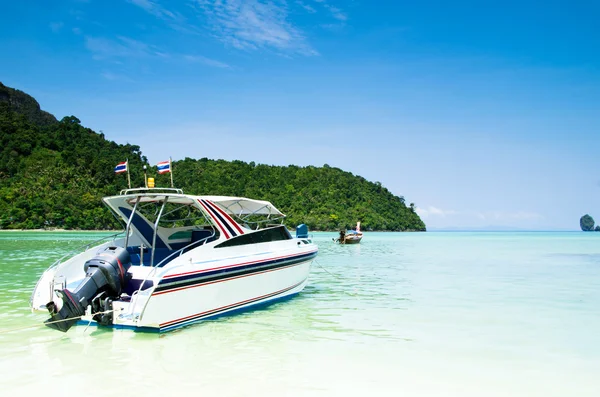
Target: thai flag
[164,167]
[121,167]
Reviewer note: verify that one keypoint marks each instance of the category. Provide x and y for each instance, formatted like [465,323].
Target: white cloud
[437,218]
[336,13]
[252,24]
[206,61]
[307,7]
[115,77]
[104,48]
[156,9]
[174,19]
[135,45]
[507,215]
[434,211]
[123,47]
[56,26]
[525,215]
[485,216]
[243,24]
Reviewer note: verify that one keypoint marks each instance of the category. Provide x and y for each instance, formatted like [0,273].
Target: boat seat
[143,228]
[159,255]
[198,235]
[302,231]
[134,285]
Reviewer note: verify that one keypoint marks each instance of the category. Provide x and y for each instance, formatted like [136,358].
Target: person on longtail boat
[342,236]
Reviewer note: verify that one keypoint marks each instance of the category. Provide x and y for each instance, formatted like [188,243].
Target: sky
[486,115]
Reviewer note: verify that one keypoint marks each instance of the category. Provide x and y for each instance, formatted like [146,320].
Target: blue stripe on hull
[235,268]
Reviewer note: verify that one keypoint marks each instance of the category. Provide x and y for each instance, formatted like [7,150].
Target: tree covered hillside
[324,198]
[53,174]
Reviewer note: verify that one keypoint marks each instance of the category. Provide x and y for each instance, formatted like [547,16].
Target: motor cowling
[106,277]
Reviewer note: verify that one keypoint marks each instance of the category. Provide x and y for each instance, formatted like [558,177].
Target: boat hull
[87,322]
[352,240]
[181,306]
[191,293]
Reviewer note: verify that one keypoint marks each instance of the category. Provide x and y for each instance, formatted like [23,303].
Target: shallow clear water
[403,314]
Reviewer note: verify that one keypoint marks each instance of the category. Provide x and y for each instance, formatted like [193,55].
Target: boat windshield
[173,214]
[158,227]
[166,222]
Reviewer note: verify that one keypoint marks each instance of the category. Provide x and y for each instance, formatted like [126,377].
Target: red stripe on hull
[235,265]
[227,279]
[228,306]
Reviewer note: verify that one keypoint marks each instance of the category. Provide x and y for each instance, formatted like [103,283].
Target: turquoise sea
[401,314]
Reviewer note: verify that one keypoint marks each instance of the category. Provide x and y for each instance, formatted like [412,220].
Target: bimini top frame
[150,190]
[247,211]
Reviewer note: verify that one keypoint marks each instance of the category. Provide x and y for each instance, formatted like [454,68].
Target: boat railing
[151,190]
[152,273]
[262,223]
[71,253]
[85,247]
[181,251]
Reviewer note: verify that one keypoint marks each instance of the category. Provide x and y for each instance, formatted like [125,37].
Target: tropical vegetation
[54,173]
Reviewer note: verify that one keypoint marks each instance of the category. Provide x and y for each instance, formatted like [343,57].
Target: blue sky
[483,114]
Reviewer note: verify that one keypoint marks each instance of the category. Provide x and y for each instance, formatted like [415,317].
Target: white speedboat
[181,259]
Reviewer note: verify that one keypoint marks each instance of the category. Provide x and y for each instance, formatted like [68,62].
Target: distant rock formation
[587,223]
[25,104]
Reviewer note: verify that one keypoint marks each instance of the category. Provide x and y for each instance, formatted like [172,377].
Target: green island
[586,223]
[54,173]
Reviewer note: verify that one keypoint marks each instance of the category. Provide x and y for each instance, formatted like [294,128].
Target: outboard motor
[105,278]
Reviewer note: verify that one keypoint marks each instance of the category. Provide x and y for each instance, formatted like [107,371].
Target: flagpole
[128,177]
[171,168]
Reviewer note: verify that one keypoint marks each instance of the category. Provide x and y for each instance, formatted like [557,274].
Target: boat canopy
[239,206]
[244,206]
